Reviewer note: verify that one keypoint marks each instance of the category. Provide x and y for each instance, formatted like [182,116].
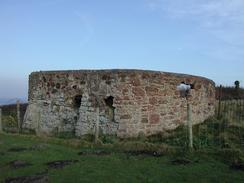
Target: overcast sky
[200,37]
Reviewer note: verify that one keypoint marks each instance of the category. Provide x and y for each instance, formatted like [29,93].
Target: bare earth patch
[18,164]
[28,179]
[181,161]
[60,163]
[35,147]
[17,149]
[97,153]
[144,153]
[237,166]
[38,147]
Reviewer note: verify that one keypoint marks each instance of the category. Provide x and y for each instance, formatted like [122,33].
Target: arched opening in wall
[77,101]
[110,108]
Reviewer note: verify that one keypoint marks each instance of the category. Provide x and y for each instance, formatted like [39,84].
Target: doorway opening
[110,108]
[77,101]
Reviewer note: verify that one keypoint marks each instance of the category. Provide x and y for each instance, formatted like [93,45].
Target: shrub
[9,121]
[108,139]
[229,155]
[65,134]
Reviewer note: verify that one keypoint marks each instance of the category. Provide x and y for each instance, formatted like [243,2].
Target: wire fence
[12,116]
[230,114]
[224,130]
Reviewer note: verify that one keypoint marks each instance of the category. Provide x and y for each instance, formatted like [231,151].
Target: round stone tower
[126,102]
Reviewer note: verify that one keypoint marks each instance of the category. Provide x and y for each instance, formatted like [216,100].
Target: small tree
[237,89]
[237,84]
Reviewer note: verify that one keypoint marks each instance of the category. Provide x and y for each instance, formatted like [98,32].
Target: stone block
[152,90]
[138,91]
[154,118]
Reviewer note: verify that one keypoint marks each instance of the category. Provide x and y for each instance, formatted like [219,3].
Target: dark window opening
[109,103]
[77,101]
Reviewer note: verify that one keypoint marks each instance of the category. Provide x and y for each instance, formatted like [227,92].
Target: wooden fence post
[219,98]
[97,126]
[18,116]
[38,123]
[1,127]
[189,124]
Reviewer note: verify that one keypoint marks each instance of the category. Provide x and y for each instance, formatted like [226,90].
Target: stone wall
[129,101]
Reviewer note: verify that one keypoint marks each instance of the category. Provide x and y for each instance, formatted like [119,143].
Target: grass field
[120,161]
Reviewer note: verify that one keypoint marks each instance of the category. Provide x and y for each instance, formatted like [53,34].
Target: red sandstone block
[125,91]
[153,101]
[198,87]
[138,91]
[145,75]
[135,81]
[126,98]
[162,101]
[151,90]
[162,93]
[154,118]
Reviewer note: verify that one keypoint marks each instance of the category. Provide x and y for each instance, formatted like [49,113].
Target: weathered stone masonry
[130,102]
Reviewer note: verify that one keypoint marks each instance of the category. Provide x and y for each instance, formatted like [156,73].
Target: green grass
[217,145]
[207,165]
